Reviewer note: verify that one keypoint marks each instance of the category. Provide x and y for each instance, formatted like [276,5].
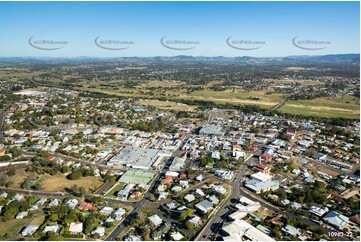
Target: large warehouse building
[135,157]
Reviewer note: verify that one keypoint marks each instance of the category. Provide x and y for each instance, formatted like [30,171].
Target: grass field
[38,220]
[261,98]
[161,84]
[329,107]
[57,182]
[238,96]
[60,182]
[12,227]
[112,193]
[345,106]
[18,178]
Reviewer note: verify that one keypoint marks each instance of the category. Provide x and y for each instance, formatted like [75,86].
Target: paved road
[136,207]
[217,219]
[264,203]
[280,104]
[2,118]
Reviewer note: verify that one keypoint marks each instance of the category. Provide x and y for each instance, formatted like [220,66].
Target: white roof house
[29,230]
[176,189]
[220,189]
[335,219]
[176,236]
[72,203]
[189,198]
[200,192]
[54,202]
[156,220]
[99,230]
[318,211]
[76,228]
[260,176]
[204,206]
[52,228]
[18,197]
[106,210]
[239,229]
[195,219]
[291,230]
[238,215]
[213,198]
[21,215]
[41,201]
[118,213]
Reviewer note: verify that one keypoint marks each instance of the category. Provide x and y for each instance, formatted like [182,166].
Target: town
[77,164]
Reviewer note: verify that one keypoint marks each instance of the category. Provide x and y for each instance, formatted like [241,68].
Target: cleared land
[11,227]
[329,107]
[57,182]
[60,182]
[262,98]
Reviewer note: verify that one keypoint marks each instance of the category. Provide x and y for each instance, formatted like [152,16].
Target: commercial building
[241,230]
[211,130]
[135,157]
[261,182]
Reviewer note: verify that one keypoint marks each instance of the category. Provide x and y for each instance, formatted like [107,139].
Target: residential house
[99,231]
[118,213]
[158,234]
[29,230]
[155,220]
[176,236]
[288,229]
[106,211]
[76,228]
[189,198]
[51,228]
[194,219]
[335,219]
[205,206]
[72,203]
[87,206]
[54,202]
[21,215]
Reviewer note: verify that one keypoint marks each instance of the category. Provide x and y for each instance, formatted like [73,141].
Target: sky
[201,28]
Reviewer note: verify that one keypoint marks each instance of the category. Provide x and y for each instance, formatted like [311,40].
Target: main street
[2,118]
[216,220]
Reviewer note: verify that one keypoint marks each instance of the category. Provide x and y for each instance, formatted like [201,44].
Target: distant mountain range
[336,58]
